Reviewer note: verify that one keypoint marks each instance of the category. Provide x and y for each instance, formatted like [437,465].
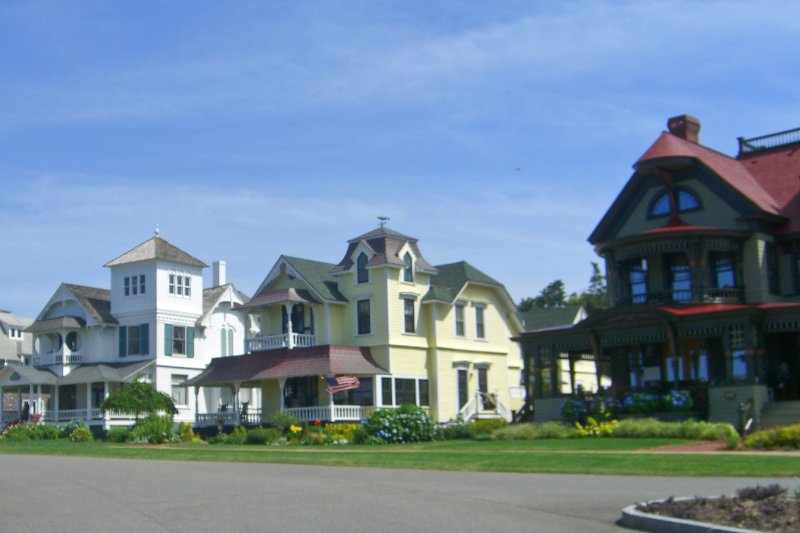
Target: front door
[782,352]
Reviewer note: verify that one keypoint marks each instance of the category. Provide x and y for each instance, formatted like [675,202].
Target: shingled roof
[452,278]
[96,302]
[156,248]
[385,244]
[212,295]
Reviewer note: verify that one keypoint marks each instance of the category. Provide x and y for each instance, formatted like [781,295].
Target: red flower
[317,422]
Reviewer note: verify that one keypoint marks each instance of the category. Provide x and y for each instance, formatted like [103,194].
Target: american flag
[342,383]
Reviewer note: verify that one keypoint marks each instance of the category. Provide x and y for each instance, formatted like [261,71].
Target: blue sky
[494,132]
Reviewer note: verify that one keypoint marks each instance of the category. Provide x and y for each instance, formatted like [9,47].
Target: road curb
[635,519]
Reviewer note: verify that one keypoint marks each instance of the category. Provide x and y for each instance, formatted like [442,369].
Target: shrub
[782,437]
[340,433]
[118,434]
[545,430]
[81,434]
[154,429]
[237,436]
[456,430]
[408,423]
[688,429]
[283,421]
[593,428]
[484,428]
[678,400]
[573,409]
[65,430]
[641,403]
[262,436]
[25,432]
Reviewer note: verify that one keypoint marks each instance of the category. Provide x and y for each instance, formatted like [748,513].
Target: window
[180,285]
[680,278]
[462,380]
[363,318]
[180,393]
[460,320]
[480,331]
[408,268]
[72,341]
[362,275]
[723,271]
[662,203]
[483,379]
[226,341]
[637,280]
[134,340]
[178,340]
[402,391]
[134,285]
[771,259]
[409,320]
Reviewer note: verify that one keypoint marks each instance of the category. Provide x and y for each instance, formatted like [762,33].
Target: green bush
[782,437]
[408,423]
[237,437]
[484,428]
[262,436]
[456,430]
[688,429]
[118,434]
[65,430]
[545,430]
[81,434]
[282,421]
[153,429]
[25,432]
[593,428]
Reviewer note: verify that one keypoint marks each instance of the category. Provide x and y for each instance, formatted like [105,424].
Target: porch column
[88,403]
[38,404]
[19,403]
[596,353]
[55,405]
[196,403]
[281,405]
[31,410]
[106,416]
[333,407]
[289,333]
[236,410]
[327,323]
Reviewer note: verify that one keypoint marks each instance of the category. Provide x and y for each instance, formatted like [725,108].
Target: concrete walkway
[49,494]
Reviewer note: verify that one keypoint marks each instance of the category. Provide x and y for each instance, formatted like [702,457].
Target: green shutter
[123,341]
[189,342]
[223,344]
[144,339]
[167,339]
[230,342]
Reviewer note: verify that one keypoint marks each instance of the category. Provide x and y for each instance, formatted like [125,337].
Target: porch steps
[780,414]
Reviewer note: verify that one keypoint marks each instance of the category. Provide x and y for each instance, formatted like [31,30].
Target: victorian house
[384,325]
[156,323]
[702,255]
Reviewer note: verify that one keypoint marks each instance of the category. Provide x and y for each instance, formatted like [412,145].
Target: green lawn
[572,456]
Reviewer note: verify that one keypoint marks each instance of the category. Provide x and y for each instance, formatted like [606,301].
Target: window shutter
[189,342]
[223,345]
[230,342]
[144,339]
[123,341]
[167,339]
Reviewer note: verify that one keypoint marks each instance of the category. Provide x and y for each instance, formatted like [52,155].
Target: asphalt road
[45,494]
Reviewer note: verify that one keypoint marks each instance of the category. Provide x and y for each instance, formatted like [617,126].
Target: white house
[156,323]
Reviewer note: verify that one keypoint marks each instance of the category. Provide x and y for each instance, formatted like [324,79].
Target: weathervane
[157,231]
[383,220]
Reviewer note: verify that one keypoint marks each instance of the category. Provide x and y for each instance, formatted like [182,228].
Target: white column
[281,386]
[333,412]
[88,403]
[236,408]
[290,336]
[55,404]
[196,403]
[38,403]
[30,400]
[106,416]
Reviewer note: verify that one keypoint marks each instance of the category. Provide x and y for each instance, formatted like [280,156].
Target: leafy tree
[554,295]
[138,397]
[593,299]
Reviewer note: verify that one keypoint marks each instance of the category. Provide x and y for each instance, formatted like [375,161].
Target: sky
[494,132]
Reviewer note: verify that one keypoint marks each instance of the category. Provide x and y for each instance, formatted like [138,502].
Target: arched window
[408,268]
[362,276]
[662,203]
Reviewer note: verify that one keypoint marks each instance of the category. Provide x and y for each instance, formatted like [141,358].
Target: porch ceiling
[326,360]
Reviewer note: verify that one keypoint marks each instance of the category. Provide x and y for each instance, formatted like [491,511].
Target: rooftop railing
[766,142]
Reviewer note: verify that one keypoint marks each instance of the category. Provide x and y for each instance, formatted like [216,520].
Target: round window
[73,341]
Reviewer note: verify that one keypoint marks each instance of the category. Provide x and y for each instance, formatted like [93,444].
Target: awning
[280,296]
[22,376]
[326,360]
[56,324]
[103,373]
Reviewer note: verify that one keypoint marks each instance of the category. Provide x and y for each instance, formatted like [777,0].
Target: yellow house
[410,332]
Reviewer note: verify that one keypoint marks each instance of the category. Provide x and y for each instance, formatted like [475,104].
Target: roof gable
[314,274]
[156,248]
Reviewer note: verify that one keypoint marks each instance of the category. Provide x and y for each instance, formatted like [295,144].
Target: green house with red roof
[702,255]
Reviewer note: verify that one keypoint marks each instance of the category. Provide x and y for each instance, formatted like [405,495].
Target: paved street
[46,494]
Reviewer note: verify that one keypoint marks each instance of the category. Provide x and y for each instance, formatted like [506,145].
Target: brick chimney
[686,127]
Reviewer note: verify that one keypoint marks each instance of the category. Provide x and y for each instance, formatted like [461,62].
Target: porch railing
[275,342]
[339,413]
[476,407]
[45,360]
[705,295]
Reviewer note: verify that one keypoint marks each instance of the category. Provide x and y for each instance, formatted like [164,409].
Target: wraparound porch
[328,413]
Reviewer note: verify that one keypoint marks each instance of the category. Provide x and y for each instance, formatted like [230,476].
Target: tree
[593,299]
[554,295]
[138,397]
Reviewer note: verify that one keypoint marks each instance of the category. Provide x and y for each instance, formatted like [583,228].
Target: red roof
[326,360]
[735,172]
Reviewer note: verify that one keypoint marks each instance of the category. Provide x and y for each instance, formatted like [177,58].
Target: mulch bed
[770,509]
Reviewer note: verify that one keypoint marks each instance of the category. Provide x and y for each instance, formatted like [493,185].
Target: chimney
[219,273]
[686,127]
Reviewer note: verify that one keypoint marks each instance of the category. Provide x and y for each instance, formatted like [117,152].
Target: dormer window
[180,285]
[662,204]
[408,268]
[362,275]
